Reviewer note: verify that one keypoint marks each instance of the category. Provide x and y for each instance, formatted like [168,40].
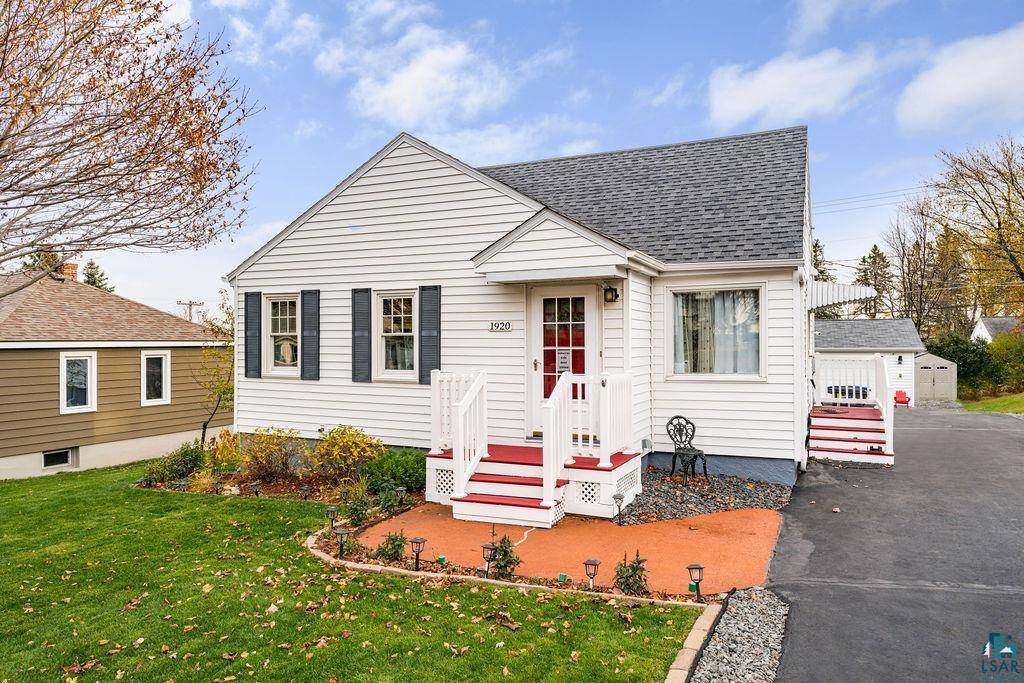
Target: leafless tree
[117,130]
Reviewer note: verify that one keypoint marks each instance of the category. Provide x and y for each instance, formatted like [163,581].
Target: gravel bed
[747,643]
[665,497]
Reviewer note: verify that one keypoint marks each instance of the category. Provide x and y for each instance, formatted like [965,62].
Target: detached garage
[860,340]
[935,377]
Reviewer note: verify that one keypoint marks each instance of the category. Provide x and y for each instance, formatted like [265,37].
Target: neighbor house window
[156,378]
[283,314]
[77,382]
[65,457]
[716,332]
[396,334]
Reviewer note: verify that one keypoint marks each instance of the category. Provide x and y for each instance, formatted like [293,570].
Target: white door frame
[534,340]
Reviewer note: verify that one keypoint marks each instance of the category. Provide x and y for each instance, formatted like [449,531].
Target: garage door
[936,380]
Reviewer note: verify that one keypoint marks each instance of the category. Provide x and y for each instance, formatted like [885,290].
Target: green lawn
[105,578]
[1011,403]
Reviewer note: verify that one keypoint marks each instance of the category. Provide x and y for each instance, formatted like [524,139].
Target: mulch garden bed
[665,497]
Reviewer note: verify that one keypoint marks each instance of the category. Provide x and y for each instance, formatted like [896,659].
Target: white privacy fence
[845,381]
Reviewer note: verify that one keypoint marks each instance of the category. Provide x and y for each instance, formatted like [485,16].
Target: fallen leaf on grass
[836,510]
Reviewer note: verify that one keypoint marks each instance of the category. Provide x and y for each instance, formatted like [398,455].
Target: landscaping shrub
[272,454]
[631,575]
[357,510]
[178,464]
[337,455]
[392,548]
[390,499]
[223,455]
[505,559]
[402,467]
[1007,352]
[976,370]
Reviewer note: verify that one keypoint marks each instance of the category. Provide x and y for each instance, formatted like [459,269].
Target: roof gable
[1002,324]
[879,334]
[726,199]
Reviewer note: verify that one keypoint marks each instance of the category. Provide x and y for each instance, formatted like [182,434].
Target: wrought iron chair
[682,431]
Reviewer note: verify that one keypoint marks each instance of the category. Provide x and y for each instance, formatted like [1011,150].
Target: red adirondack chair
[901,398]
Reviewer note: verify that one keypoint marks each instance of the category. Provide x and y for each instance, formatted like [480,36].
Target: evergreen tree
[874,270]
[93,275]
[823,274]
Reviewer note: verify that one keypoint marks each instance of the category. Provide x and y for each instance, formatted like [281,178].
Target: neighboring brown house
[90,379]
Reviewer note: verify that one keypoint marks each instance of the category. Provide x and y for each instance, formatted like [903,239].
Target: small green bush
[357,510]
[631,575]
[392,548]
[391,499]
[272,454]
[505,559]
[178,464]
[337,455]
[402,467]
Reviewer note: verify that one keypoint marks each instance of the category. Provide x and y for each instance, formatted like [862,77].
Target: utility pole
[189,305]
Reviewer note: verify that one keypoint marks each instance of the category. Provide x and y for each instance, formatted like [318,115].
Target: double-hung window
[396,335]
[716,332]
[77,382]
[283,334]
[156,378]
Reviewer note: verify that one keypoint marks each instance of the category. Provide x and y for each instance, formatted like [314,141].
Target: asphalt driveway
[922,562]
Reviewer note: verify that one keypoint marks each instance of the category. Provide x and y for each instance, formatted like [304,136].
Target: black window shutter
[430,331]
[310,348]
[253,334]
[361,370]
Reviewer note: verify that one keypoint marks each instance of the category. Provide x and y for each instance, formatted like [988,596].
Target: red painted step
[840,428]
[847,439]
[534,455]
[854,451]
[512,501]
[512,479]
[852,413]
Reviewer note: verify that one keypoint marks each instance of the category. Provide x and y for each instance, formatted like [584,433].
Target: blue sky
[882,84]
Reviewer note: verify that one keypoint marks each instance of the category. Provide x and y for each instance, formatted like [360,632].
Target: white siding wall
[611,331]
[550,245]
[746,418]
[640,313]
[900,376]
[411,220]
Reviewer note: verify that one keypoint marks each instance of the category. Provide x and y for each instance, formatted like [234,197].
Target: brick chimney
[69,270]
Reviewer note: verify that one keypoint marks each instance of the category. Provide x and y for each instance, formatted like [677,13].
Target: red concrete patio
[734,546]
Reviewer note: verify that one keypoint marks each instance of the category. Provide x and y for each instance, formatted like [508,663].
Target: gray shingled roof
[1002,324]
[725,199]
[869,335]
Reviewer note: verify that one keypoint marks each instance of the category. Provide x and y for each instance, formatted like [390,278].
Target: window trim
[166,398]
[669,312]
[268,340]
[90,407]
[72,462]
[379,373]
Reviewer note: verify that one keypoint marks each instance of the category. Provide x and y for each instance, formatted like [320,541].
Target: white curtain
[717,332]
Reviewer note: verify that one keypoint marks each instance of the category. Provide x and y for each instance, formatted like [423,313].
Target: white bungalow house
[536,325]
[988,327]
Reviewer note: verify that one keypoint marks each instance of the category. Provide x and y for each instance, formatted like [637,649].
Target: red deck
[514,501]
[513,479]
[534,455]
[849,413]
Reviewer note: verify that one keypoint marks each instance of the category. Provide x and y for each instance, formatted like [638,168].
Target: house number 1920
[503,326]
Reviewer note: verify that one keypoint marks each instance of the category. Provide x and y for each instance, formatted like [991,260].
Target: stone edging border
[693,647]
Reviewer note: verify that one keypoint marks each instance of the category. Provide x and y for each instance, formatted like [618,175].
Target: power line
[858,208]
[862,197]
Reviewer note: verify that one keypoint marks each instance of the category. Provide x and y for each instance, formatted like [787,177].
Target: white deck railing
[446,389]
[586,415]
[469,432]
[885,398]
[845,381]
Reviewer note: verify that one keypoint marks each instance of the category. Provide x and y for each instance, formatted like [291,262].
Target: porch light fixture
[304,489]
[611,295]
[255,488]
[342,533]
[899,360]
[618,498]
[217,486]
[417,548]
[696,576]
[332,514]
[489,550]
[591,568]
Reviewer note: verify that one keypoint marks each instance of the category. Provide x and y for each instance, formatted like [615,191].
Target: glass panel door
[564,339]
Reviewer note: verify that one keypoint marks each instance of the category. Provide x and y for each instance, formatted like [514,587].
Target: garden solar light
[305,491]
[255,486]
[417,548]
[217,486]
[332,514]
[618,498]
[696,576]
[342,533]
[489,550]
[591,568]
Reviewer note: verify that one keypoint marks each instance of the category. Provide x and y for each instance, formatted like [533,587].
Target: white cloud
[307,128]
[247,46]
[503,142]
[332,59]
[669,93]
[233,4]
[391,14]
[975,80]
[789,89]
[304,33]
[813,17]
[178,12]
[278,15]
[578,97]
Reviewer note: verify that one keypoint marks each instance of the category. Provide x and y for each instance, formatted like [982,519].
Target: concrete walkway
[733,546]
[922,562]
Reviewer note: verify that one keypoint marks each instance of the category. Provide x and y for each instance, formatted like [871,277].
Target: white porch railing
[886,399]
[587,415]
[469,432]
[446,389]
[844,381]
